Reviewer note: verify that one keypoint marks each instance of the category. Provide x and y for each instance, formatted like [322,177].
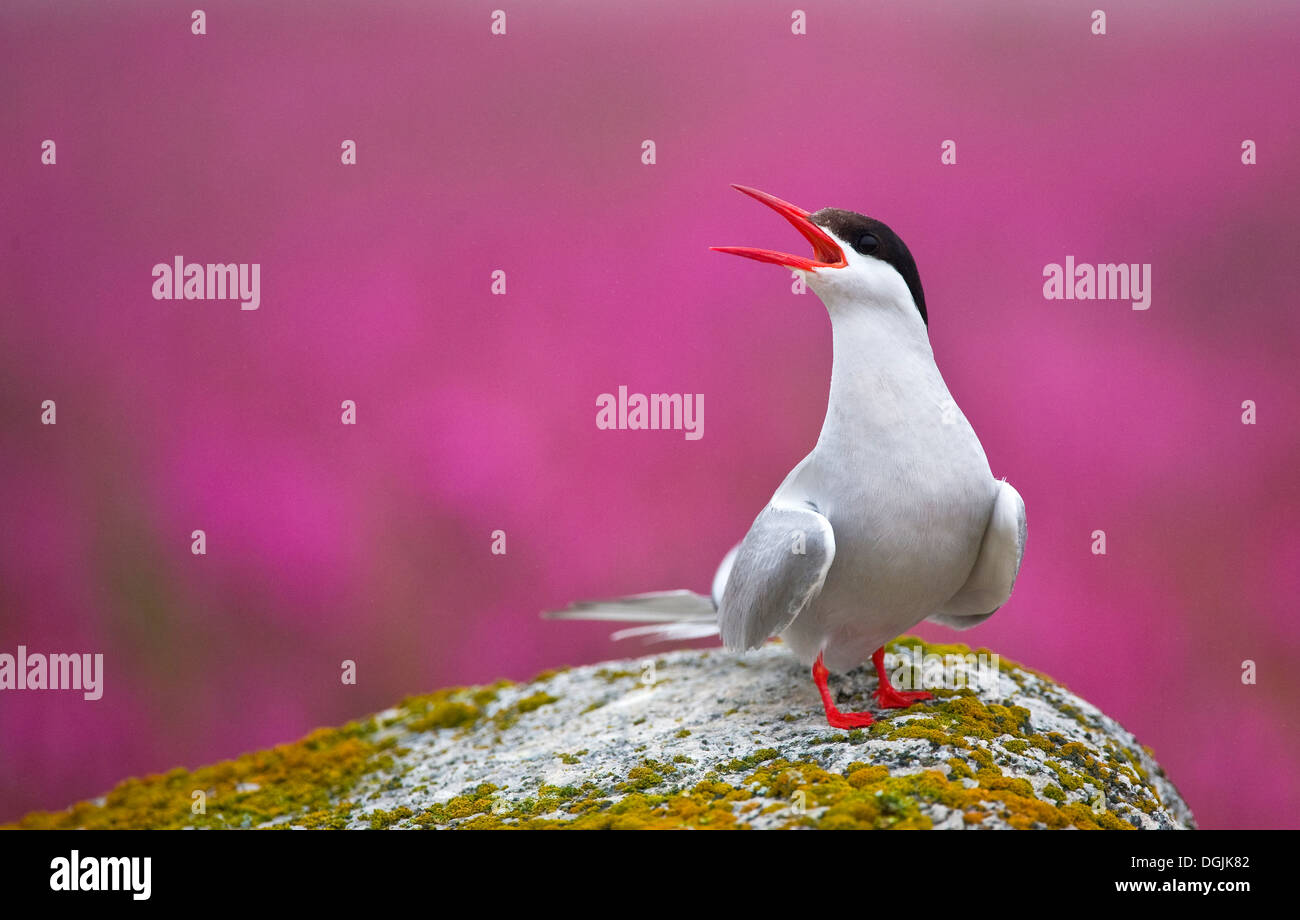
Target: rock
[686,739]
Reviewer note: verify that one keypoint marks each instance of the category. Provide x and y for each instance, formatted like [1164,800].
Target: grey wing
[778,569]
[996,568]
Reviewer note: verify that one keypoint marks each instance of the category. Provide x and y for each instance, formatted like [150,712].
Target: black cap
[873,238]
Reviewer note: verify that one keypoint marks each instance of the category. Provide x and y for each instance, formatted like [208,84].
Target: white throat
[883,367]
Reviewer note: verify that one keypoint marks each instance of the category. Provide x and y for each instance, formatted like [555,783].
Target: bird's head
[857,262]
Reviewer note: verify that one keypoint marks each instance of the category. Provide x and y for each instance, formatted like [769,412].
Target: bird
[892,519]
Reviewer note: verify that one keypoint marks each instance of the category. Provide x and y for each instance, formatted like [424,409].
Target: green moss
[291,783]
[860,775]
[830,739]
[379,820]
[883,810]
[740,764]
[297,785]
[1067,779]
[958,769]
[535,701]
[484,697]
[1113,822]
[876,800]
[446,714]
[639,778]
[507,716]
[864,796]
[462,806]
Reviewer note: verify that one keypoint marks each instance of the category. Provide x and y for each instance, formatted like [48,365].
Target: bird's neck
[883,369]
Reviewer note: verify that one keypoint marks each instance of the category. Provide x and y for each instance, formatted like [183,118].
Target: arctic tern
[893,518]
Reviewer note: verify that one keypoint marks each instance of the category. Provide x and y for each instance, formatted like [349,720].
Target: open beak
[827,252]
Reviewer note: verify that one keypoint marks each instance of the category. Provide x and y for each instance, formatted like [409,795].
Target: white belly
[909,507]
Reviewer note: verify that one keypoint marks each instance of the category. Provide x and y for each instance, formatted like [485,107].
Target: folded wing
[990,581]
[778,570]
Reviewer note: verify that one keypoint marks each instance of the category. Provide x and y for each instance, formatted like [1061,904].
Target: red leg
[836,718]
[886,695]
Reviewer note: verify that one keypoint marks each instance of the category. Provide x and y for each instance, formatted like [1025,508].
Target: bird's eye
[867,244]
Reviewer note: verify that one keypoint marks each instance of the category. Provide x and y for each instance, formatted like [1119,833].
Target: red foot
[836,718]
[886,695]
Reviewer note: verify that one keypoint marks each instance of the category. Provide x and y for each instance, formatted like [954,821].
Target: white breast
[903,479]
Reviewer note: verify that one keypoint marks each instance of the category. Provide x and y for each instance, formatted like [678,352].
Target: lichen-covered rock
[686,739]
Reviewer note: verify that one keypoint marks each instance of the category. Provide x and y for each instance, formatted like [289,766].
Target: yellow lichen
[305,778]
[313,783]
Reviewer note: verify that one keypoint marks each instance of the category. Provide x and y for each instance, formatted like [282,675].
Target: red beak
[828,252]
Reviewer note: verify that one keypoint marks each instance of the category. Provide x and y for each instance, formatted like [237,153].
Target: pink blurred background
[477,412]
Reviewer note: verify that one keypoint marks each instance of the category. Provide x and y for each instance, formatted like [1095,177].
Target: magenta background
[477,412]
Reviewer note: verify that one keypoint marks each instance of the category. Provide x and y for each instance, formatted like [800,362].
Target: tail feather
[668,632]
[673,614]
